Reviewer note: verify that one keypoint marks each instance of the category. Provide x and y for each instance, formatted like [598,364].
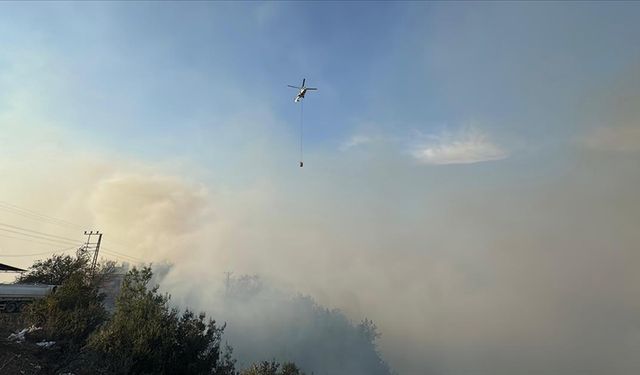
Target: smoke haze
[461,275]
[510,250]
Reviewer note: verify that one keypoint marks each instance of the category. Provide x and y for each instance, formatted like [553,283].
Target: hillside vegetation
[144,334]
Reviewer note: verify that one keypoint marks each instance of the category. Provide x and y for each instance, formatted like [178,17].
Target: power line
[129,260]
[35,215]
[37,232]
[124,257]
[54,240]
[121,256]
[66,242]
[110,250]
[28,211]
[50,238]
[32,241]
[35,254]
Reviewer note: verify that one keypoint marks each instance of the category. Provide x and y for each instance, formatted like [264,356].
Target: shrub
[145,335]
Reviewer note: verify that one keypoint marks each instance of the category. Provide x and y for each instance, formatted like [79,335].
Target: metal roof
[7,268]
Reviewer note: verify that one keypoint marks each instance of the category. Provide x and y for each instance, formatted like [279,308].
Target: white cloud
[621,139]
[355,141]
[467,146]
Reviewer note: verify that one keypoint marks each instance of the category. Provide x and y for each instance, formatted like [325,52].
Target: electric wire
[56,240]
[66,242]
[37,232]
[26,212]
[110,250]
[121,256]
[35,254]
[31,241]
[126,259]
[51,239]
[37,218]
[34,215]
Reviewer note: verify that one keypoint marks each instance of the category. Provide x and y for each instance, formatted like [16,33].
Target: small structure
[14,297]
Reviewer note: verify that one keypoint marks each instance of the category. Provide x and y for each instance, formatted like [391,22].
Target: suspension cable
[301,133]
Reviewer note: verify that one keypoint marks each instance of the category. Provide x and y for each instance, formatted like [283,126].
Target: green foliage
[226,364]
[75,310]
[290,369]
[143,336]
[271,368]
[71,314]
[54,270]
[59,268]
[146,336]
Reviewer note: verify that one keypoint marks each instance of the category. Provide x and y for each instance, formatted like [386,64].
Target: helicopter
[303,90]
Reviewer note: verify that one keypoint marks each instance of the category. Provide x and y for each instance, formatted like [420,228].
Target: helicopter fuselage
[300,95]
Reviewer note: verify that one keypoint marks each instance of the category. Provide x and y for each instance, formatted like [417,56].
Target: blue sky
[149,79]
[125,72]
[471,160]
[138,77]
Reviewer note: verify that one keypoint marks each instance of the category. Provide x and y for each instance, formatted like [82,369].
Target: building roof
[7,268]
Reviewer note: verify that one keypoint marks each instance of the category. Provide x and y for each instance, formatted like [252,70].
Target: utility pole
[89,245]
[95,254]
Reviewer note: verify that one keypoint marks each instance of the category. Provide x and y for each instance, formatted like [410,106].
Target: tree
[267,322]
[54,270]
[271,368]
[146,336]
[291,369]
[75,310]
[368,330]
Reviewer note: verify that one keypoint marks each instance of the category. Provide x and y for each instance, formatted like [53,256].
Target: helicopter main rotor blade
[303,80]
[295,87]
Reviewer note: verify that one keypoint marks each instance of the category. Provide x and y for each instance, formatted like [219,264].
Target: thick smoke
[482,278]
[493,268]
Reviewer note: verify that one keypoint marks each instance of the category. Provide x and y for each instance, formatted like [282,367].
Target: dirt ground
[27,358]
[20,359]
[17,358]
